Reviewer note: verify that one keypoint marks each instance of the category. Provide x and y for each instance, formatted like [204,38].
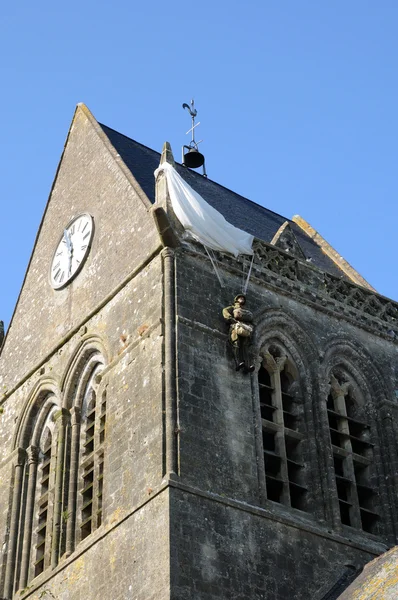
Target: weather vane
[193,159]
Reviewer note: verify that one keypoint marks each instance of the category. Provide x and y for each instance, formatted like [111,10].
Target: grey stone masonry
[111,316]
[136,463]
[246,546]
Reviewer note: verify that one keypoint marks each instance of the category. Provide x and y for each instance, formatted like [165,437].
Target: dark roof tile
[241,212]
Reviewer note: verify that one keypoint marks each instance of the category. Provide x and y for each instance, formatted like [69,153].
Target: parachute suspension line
[243,272]
[245,283]
[248,275]
[212,260]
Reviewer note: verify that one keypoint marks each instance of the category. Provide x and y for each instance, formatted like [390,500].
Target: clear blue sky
[298,104]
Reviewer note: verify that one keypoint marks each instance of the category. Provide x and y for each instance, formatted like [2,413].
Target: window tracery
[283,430]
[58,475]
[352,448]
[42,505]
[87,456]
[32,518]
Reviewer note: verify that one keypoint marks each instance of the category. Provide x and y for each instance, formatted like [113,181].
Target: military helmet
[240,296]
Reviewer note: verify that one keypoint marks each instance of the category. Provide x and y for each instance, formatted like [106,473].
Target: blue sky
[298,103]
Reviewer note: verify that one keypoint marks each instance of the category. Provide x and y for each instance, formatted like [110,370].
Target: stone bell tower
[136,462]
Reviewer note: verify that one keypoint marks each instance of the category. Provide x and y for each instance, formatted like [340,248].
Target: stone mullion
[342,425]
[14,523]
[62,417]
[73,478]
[330,487]
[280,435]
[349,471]
[258,428]
[328,474]
[33,460]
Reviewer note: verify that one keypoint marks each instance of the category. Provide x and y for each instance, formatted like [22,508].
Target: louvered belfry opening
[42,533]
[282,431]
[87,491]
[350,436]
[92,442]
[100,471]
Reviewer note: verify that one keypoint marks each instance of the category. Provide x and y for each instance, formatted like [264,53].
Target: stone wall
[128,561]
[239,554]
[129,329]
[89,179]
[223,550]
[208,531]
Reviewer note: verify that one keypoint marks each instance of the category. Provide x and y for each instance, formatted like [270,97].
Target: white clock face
[72,250]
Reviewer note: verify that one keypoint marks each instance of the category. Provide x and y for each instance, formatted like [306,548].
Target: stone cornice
[308,284]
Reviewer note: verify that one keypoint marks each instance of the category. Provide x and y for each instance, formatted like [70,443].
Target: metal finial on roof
[193,158]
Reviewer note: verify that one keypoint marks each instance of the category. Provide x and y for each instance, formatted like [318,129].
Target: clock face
[72,250]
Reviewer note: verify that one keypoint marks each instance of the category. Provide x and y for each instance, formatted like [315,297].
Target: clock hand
[68,241]
[69,245]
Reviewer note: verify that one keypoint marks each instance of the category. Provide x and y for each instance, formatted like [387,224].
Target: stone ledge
[303,522]
[201,327]
[364,542]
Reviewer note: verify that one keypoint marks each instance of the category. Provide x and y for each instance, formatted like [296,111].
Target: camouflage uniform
[240,331]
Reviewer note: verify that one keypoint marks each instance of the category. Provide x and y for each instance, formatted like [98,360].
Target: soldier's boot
[239,363]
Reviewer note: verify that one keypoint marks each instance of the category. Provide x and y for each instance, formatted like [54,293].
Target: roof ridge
[129,138]
[199,175]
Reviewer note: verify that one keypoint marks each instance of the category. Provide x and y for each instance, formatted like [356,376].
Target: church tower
[137,460]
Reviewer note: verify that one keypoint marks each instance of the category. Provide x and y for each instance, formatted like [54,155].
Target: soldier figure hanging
[240,320]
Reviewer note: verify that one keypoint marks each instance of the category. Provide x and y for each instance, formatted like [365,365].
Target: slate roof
[241,212]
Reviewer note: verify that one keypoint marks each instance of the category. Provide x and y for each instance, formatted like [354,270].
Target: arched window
[352,448]
[92,457]
[88,465]
[45,485]
[283,430]
[87,439]
[29,552]
[58,475]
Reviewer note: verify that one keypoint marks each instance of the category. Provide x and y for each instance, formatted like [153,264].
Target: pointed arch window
[87,455]
[283,430]
[92,462]
[352,448]
[92,457]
